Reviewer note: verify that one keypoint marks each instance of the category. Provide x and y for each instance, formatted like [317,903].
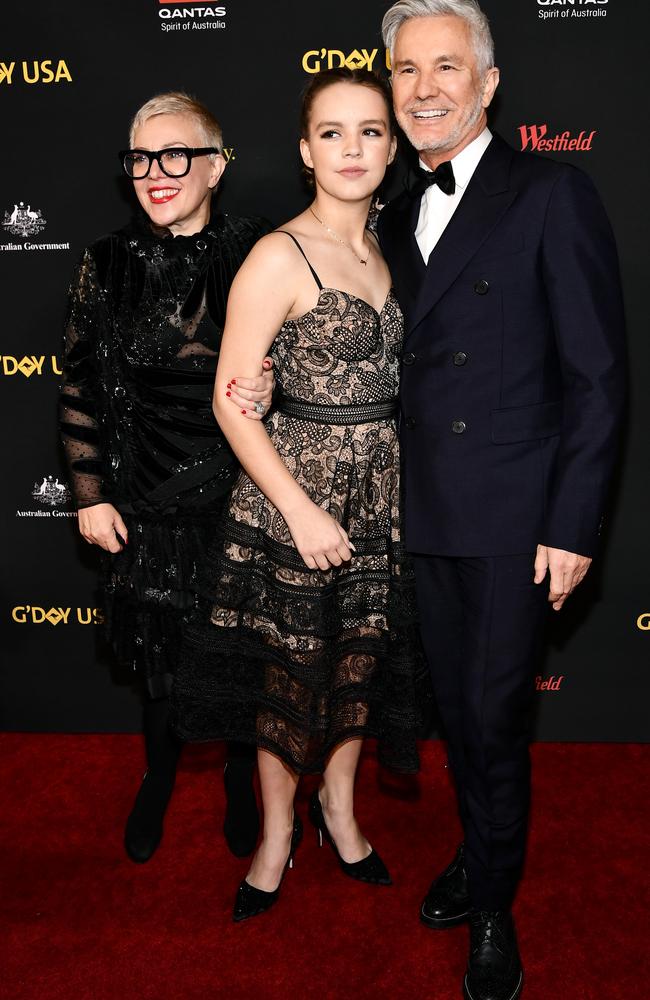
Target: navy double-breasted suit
[512,394]
[513,364]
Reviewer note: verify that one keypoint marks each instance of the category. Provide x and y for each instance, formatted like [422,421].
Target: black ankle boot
[241,824]
[144,827]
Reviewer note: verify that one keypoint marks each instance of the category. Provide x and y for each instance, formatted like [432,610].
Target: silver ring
[260,408]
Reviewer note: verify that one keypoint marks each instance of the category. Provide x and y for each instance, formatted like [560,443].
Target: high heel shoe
[371,869]
[250,901]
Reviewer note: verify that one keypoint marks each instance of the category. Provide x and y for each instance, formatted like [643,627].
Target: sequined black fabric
[146,314]
[294,660]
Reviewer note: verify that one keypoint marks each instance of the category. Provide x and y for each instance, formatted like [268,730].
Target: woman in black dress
[310,642]
[149,467]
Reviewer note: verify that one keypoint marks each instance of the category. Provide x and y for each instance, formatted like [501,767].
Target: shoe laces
[488,928]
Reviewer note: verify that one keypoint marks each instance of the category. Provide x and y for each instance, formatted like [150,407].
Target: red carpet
[81,922]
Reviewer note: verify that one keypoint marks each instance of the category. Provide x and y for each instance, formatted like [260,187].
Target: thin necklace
[339,240]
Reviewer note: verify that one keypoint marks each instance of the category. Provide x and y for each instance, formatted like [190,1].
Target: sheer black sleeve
[87,318]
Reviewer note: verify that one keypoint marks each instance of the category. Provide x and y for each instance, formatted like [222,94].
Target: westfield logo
[537,139]
[551,683]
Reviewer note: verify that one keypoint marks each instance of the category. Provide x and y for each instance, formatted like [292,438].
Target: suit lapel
[487,199]
[397,232]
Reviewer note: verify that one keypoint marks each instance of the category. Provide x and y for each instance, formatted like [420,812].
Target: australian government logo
[186,15]
[51,499]
[22,221]
[557,10]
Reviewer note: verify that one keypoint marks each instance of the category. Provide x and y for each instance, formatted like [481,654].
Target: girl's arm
[261,297]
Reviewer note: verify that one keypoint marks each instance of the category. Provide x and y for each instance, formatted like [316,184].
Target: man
[512,396]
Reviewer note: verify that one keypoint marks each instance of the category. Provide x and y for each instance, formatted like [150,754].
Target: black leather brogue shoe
[494,969]
[447,902]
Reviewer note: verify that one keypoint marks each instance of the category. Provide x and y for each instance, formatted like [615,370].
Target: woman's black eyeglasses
[174,161]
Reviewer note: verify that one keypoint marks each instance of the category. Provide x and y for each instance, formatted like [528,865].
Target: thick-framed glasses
[175,161]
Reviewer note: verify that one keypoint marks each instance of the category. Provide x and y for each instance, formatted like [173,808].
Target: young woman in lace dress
[309,642]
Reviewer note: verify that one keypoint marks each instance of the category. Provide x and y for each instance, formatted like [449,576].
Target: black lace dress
[146,314]
[294,660]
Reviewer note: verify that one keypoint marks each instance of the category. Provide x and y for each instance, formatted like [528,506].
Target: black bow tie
[443,176]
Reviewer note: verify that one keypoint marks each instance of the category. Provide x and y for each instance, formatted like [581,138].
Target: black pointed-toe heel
[250,901]
[371,869]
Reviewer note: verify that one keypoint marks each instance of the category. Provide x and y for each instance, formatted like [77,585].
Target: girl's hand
[101,524]
[320,540]
[245,392]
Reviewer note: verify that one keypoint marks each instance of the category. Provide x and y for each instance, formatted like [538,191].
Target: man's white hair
[470,12]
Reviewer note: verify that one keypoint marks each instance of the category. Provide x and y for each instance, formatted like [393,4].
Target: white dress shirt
[436,207]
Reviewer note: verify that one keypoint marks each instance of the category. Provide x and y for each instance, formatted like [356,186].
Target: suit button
[459,426]
[481,287]
[460,359]
[410,422]
[409,359]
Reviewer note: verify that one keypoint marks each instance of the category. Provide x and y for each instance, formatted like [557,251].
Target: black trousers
[482,628]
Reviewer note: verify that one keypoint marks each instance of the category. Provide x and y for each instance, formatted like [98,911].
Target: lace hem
[300,662]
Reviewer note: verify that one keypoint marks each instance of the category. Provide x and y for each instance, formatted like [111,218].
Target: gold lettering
[62,72]
[26,76]
[6,72]
[311,65]
[336,58]
[643,622]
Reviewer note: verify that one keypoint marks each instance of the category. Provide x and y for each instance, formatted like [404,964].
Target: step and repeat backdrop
[71,75]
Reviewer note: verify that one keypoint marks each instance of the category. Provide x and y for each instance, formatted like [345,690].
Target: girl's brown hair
[341,74]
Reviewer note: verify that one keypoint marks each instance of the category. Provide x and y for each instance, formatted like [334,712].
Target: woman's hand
[245,392]
[320,540]
[101,524]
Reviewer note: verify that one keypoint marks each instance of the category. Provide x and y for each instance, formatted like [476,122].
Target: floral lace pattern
[299,661]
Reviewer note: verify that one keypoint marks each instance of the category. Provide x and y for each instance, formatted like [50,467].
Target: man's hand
[245,392]
[567,570]
[101,525]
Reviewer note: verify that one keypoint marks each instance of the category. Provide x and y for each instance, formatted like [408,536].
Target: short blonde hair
[175,102]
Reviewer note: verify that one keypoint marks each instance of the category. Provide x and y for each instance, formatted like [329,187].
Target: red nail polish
[234,381]
[227,394]
[228,386]
[243,411]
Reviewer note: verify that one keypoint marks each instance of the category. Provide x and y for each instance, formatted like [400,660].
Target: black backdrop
[71,75]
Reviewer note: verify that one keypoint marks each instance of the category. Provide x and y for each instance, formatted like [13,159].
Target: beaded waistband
[363,413]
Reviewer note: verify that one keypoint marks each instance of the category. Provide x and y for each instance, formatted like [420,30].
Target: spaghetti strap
[314,275]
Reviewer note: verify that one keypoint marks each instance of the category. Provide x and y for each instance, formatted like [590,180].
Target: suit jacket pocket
[526,423]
